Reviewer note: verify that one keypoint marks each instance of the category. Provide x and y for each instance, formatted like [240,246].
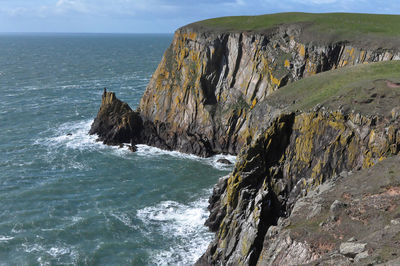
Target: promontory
[310,103]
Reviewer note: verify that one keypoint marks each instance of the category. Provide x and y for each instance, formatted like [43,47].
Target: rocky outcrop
[204,98]
[116,122]
[364,231]
[208,83]
[294,155]
[217,92]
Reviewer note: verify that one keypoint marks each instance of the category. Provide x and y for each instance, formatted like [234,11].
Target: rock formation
[208,83]
[295,154]
[242,92]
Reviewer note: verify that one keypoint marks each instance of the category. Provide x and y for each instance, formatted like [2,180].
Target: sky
[157,16]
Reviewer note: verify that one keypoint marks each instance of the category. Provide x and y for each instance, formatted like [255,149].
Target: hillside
[366,89]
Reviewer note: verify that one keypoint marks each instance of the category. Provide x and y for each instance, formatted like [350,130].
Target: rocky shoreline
[299,184]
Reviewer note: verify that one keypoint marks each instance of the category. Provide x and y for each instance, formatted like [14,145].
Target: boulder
[351,249]
[224,161]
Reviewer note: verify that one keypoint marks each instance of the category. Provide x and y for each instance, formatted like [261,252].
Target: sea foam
[181,224]
[148,151]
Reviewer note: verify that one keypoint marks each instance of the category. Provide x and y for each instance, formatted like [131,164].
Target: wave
[148,151]
[74,135]
[53,252]
[184,225]
[6,238]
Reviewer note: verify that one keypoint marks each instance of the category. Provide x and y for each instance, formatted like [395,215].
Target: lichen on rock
[256,94]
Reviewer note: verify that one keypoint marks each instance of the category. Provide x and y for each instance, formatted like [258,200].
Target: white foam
[6,238]
[54,251]
[72,86]
[73,135]
[32,248]
[58,251]
[148,151]
[184,225]
[76,219]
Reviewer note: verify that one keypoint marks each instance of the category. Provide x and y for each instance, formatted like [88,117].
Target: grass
[378,30]
[362,88]
[387,25]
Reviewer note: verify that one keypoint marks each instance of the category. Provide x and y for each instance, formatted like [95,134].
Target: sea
[66,199]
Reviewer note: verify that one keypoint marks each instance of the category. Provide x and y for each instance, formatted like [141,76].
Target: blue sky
[141,16]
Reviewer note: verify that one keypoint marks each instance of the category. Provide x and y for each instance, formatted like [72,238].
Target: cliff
[209,80]
[250,86]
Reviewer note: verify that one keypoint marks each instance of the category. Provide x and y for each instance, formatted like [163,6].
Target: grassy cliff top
[325,27]
[369,89]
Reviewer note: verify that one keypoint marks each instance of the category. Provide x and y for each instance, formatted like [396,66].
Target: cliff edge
[254,86]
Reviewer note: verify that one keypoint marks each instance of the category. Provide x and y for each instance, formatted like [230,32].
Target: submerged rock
[224,161]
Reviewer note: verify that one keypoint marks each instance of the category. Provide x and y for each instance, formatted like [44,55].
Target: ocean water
[69,200]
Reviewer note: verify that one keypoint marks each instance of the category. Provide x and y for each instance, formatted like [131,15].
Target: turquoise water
[72,201]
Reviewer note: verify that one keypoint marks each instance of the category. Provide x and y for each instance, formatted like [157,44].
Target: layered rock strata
[294,155]
[212,93]
[208,83]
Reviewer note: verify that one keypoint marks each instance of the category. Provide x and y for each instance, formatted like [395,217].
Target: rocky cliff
[295,154]
[250,92]
[208,82]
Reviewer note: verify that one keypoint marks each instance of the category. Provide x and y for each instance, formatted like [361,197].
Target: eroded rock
[351,249]
[116,122]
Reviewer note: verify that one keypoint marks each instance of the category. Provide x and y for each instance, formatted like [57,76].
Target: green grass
[362,88]
[341,24]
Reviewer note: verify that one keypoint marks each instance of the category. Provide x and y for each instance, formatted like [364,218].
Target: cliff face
[203,92]
[294,155]
[243,92]
[351,218]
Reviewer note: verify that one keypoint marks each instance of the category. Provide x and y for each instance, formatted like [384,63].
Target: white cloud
[71,5]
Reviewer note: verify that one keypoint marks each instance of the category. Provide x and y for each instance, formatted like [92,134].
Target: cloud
[158,15]
[71,5]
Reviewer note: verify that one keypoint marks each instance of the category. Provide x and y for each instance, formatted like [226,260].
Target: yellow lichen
[287,63]
[274,80]
[253,103]
[302,50]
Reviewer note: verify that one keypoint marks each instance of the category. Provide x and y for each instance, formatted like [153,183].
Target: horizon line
[67,32]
